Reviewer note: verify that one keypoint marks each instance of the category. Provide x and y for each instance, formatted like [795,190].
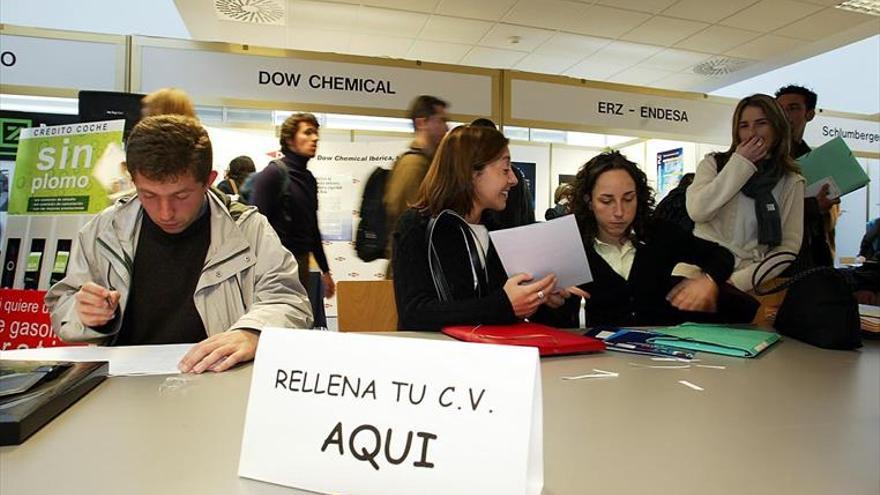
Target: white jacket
[249,279]
[723,214]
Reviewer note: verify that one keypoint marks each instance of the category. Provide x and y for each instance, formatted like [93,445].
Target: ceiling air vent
[271,12]
[719,66]
[870,7]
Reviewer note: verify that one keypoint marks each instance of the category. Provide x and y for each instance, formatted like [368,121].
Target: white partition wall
[637,153]
[567,160]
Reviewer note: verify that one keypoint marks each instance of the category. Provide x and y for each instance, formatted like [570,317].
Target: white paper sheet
[543,248]
[124,360]
[813,189]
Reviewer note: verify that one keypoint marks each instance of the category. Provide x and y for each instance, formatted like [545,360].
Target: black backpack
[246,191]
[673,209]
[372,233]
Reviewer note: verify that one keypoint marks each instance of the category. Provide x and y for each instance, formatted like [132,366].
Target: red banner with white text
[24,320]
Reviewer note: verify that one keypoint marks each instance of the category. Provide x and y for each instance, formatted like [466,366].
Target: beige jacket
[402,188]
[249,280]
[725,215]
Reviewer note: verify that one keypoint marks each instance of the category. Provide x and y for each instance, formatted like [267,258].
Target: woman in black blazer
[632,255]
[446,271]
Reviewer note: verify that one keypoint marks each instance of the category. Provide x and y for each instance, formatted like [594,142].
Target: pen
[650,348]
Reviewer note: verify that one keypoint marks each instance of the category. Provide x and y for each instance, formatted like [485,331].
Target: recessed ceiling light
[251,11]
[870,7]
[719,66]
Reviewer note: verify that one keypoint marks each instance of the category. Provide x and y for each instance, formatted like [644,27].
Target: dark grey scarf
[760,188]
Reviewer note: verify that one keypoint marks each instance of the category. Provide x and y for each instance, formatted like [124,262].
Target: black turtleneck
[292,213]
[815,250]
[167,267]
[799,149]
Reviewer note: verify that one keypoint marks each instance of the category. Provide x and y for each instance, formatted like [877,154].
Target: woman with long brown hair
[632,255]
[750,198]
[446,271]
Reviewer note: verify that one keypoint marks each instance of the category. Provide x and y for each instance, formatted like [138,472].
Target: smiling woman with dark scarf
[446,270]
[750,198]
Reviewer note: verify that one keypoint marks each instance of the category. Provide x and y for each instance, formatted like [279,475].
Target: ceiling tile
[489,10]
[451,29]
[652,6]
[706,10]
[501,35]
[325,15]
[674,60]
[717,39]
[596,69]
[663,31]
[413,5]
[639,76]
[624,53]
[492,57]
[383,21]
[379,46]
[436,51]
[768,15]
[552,14]
[765,47]
[608,22]
[546,64]
[251,34]
[824,23]
[571,45]
[319,40]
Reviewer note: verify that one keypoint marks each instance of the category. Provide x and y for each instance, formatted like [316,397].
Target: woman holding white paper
[446,270]
[632,255]
[750,198]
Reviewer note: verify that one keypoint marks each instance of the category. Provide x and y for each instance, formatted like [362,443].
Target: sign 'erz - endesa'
[643,113]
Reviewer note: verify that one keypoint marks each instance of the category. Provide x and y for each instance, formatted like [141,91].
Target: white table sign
[363,414]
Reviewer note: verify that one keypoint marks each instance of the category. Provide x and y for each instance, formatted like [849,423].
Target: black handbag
[819,307]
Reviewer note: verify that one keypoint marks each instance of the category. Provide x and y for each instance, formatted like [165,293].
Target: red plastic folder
[549,341]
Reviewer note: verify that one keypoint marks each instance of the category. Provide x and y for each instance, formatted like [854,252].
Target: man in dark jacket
[287,193]
[820,212]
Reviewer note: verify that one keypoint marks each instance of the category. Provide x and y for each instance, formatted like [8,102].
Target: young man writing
[177,263]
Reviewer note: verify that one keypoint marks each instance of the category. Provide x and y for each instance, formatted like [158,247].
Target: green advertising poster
[55,168]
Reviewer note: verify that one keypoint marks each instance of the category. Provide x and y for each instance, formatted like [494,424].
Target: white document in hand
[543,248]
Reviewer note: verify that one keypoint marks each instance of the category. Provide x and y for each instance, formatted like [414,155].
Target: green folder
[832,163]
[729,340]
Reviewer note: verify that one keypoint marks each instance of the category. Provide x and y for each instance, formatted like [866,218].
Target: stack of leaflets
[870,318]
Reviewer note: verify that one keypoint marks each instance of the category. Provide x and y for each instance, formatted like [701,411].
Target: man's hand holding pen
[96,305]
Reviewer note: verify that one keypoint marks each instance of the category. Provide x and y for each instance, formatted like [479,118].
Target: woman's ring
[541,295]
